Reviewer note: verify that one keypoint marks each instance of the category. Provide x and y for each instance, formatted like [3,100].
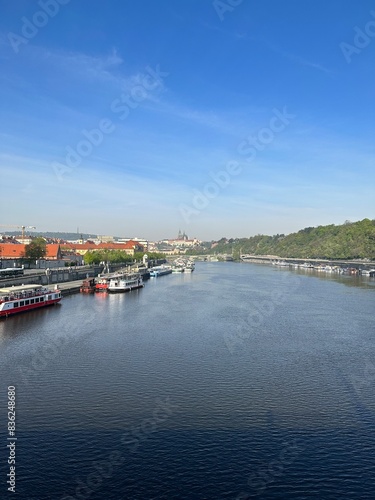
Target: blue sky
[220,118]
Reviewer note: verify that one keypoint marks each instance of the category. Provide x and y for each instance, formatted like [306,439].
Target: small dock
[69,287]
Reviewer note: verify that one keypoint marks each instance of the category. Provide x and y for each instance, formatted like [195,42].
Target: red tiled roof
[53,250]
[12,250]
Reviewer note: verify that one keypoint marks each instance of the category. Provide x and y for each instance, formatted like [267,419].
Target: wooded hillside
[351,240]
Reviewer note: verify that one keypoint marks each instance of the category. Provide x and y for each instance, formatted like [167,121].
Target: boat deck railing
[25,295]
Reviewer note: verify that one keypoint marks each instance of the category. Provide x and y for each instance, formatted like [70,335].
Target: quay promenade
[51,276]
[67,279]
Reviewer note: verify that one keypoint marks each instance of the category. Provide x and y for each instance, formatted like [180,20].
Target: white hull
[155,272]
[125,284]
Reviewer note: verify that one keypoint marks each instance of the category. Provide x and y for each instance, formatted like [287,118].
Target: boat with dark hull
[88,286]
[157,271]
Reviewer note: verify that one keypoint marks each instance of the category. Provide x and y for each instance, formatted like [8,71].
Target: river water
[236,381]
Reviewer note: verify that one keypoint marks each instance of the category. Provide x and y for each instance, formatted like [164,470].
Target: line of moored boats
[327,268]
[16,299]
[124,281]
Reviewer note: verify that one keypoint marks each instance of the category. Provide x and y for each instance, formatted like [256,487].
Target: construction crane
[19,227]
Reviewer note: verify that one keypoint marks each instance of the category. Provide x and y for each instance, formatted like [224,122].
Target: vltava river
[236,381]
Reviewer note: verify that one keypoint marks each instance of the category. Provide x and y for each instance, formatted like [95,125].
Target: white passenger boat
[125,283]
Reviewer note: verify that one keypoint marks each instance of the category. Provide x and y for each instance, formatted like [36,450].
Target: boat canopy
[20,288]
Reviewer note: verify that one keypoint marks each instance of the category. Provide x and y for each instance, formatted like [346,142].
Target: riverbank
[269,259]
[58,276]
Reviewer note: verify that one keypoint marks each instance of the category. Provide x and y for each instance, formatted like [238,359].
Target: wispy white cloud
[97,67]
[241,35]
[232,123]
[292,57]
[305,62]
[107,69]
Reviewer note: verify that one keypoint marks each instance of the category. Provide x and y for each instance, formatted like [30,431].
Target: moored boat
[125,283]
[177,269]
[367,272]
[189,267]
[157,271]
[23,298]
[88,286]
[102,284]
[102,281]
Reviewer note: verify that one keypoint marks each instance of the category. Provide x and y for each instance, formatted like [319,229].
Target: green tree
[36,249]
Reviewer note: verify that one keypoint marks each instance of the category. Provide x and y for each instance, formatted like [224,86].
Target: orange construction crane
[19,227]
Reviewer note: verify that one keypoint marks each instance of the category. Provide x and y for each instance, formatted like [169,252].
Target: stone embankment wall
[53,276]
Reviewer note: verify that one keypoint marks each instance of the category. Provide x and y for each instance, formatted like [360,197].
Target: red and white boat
[102,281]
[22,298]
[102,284]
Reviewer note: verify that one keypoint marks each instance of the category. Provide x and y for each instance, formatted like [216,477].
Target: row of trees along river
[351,240]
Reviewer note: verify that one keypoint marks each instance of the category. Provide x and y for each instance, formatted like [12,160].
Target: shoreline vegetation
[348,241]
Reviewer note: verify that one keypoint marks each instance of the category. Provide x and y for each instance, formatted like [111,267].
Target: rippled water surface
[236,381]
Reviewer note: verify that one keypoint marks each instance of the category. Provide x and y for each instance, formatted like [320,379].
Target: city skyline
[225,118]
